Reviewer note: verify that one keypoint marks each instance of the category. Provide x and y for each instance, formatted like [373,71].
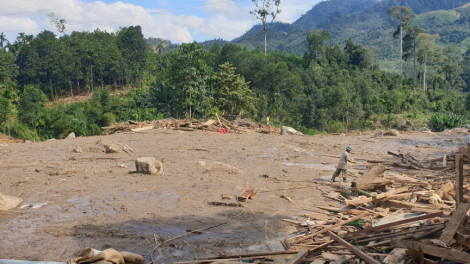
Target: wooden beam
[455,221]
[376,197]
[445,253]
[330,228]
[353,249]
[459,178]
[260,254]
[299,257]
[397,223]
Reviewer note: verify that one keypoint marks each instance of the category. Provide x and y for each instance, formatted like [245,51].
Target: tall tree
[3,40]
[404,14]
[315,42]
[410,46]
[232,93]
[266,10]
[427,50]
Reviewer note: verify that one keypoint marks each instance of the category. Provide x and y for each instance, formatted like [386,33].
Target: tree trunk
[265,43]
[424,74]
[401,50]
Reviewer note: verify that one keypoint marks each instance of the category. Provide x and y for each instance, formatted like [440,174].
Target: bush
[438,122]
[109,119]
[19,130]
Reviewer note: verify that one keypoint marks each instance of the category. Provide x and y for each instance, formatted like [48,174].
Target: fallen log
[353,249]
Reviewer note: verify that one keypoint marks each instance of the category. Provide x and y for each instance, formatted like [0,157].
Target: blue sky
[179,21]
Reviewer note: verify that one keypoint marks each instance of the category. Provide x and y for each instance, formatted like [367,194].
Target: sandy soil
[74,200]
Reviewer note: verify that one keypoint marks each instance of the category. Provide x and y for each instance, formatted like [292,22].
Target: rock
[9,202]
[222,167]
[424,130]
[202,163]
[392,132]
[149,165]
[459,131]
[117,148]
[289,131]
[71,135]
[77,149]
[122,165]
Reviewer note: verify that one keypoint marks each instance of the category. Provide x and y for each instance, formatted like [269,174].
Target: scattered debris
[248,193]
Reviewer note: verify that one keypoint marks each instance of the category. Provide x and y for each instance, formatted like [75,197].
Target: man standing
[343,164]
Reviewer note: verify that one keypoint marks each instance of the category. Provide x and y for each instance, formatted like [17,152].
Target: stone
[424,130]
[77,149]
[149,165]
[290,131]
[122,165]
[9,202]
[222,167]
[392,132]
[117,148]
[71,135]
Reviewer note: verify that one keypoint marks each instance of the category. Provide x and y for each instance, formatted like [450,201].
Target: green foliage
[441,121]
[31,106]
[109,119]
[20,130]
[231,93]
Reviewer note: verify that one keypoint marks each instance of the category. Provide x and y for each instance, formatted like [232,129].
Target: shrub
[438,122]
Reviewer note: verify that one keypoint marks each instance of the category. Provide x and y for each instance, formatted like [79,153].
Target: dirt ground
[74,200]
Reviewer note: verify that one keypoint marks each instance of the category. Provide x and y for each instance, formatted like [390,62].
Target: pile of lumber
[382,219]
[221,124]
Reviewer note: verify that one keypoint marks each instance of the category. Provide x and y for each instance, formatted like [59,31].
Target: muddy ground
[74,200]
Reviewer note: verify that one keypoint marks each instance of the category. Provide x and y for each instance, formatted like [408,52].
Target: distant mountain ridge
[366,22]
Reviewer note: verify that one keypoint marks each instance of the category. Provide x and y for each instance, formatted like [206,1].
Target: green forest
[329,88]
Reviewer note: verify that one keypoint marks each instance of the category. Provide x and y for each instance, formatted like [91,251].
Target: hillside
[366,22]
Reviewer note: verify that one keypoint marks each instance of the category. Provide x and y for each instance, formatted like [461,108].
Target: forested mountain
[366,22]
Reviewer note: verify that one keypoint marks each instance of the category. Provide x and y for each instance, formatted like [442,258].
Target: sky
[180,21]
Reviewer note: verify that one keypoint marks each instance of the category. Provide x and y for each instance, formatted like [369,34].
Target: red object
[222,130]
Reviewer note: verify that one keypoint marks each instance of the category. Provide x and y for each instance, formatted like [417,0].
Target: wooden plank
[141,128]
[403,204]
[451,227]
[444,253]
[397,223]
[459,178]
[397,256]
[299,257]
[353,249]
[260,254]
[375,197]
[330,228]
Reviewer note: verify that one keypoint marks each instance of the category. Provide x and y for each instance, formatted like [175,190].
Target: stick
[331,227]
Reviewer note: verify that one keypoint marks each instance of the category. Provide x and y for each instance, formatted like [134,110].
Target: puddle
[310,165]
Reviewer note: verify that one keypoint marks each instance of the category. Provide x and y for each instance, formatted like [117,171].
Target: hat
[349,148]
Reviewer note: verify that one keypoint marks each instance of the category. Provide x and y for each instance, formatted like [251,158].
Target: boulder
[117,148]
[71,135]
[77,149]
[392,132]
[149,165]
[289,131]
[9,202]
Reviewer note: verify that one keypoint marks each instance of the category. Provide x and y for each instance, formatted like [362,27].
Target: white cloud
[291,10]
[225,19]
